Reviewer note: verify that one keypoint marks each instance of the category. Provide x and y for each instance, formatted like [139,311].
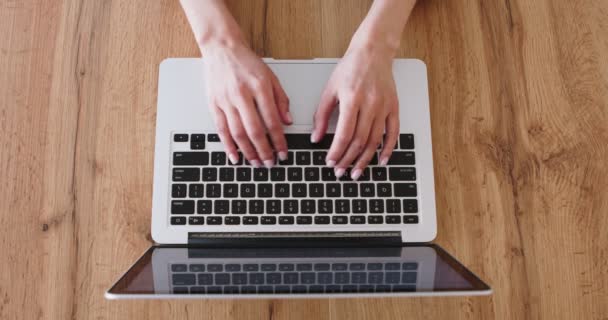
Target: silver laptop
[294,230]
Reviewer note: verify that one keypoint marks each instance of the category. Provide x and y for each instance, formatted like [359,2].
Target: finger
[390,138]
[237,130]
[345,128]
[373,142]
[358,142]
[221,125]
[270,116]
[255,128]
[282,101]
[321,119]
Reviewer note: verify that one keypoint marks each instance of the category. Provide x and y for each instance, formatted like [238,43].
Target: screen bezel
[479,287]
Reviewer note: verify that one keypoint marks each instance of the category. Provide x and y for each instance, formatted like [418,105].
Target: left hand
[363,87]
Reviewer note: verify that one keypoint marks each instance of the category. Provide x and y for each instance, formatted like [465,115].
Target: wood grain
[519,98]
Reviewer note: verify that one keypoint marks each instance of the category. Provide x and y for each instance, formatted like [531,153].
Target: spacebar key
[301,141]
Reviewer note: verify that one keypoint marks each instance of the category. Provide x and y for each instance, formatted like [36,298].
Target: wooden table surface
[519,104]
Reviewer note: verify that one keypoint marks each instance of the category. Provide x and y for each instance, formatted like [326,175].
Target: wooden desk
[519,98]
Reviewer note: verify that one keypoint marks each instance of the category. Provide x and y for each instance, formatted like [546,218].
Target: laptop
[226,230]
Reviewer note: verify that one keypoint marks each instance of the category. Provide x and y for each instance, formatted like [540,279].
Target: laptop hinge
[294,239]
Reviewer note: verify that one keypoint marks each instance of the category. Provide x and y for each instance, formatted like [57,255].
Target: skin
[250,107]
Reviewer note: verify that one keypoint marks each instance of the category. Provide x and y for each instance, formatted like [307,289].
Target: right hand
[248,104]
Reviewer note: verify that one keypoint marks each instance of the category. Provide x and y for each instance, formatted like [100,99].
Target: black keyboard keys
[410,206]
[196,221]
[342,206]
[243,174]
[232,220]
[209,174]
[186,174]
[379,174]
[239,206]
[368,190]
[264,190]
[203,206]
[327,174]
[218,158]
[286,220]
[384,190]
[303,158]
[281,190]
[294,174]
[402,158]
[359,206]
[317,190]
[226,174]
[402,173]
[256,206]
[260,174]
[393,206]
[273,206]
[318,158]
[249,220]
[307,206]
[182,206]
[269,220]
[311,174]
[190,158]
[178,190]
[221,206]
[405,190]
[298,190]
[290,207]
[321,219]
[231,190]
[180,137]
[376,206]
[214,190]
[333,190]
[351,190]
[178,220]
[325,206]
[277,174]
[406,141]
[247,190]
[196,190]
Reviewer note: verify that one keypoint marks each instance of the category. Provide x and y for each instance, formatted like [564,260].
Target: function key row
[295,141]
[325,206]
[254,267]
[291,220]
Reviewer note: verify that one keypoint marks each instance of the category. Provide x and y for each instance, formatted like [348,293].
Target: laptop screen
[180,271]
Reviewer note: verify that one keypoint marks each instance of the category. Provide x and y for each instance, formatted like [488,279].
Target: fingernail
[268,163]
[289,118]
[314,138]
[356,174]
[256,163]
[283,155]
[339,172]
[384,161]
[330,163]
[233,158]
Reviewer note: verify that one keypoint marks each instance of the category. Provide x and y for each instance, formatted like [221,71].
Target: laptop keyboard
[208,190]
[293,277]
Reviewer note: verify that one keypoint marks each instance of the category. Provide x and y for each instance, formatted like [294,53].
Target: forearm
[212,23]
[383,25]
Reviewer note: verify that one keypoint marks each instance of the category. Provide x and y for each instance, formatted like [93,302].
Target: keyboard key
[222,278]
[196,190]
[356,266]
[286,220]
[393,206]
[402,158]
[182,206]
[333,190]
[180,137]
[359,206]
[281,190]
[325,206]
[243,174]
[239,278]
[294,174]
[376,277]
[298,190]
[198,137]
[379,174]
[374,266]
[406,141]
[299,141]
[318,158]
[367,190]
[214,190]
[215,267]
[205,279]
[264,190]
[327,174]
[308,277]
[304,266]
[249,220]
[213,137]
[247,190]
[384,190]
[269,267]
[290,278]
[289,160]
[308,206]
[186,174]
[269,220]
[402,173]
[290,206]
[357,219]
[374,160]
[240,160]
[221,206]
[339,266]
[197,145]
[342,206]
[203,206]
[304,220]
[410,206]
[214,290]
[311,174]
[273,278]
[260,174]
[239,206]
[375,220]
[184,279]
[209,174]
[218,158]
[256,206]
[339,219]
[322,267]
[226,174]
[359,277]
[409,266]
[232,220]
[393,219]
[325,277]
[321,220]
[392,266]
[178,190]
[287,266]
[249,267]
[197,268]
[405,190]
[273,206]
[213,220]
[409,277]
[376,206]
[366,175]
[190,158]
[231,190]
[303,158]
[277,174]
[351,190]
[179,268]
[317,190]
[195,221]
[410,219]
[393,277]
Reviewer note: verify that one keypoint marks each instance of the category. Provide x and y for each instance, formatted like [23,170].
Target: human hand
[363,88]
[247,102]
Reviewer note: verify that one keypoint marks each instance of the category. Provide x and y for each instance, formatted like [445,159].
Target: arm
[363,88]
[246,99]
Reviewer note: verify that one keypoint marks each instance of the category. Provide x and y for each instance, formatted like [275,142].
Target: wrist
[373,46]
[225,39]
